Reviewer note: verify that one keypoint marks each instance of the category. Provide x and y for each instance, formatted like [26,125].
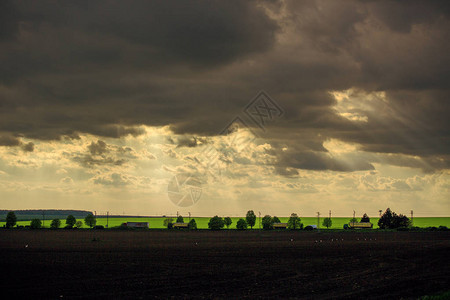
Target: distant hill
[49,214]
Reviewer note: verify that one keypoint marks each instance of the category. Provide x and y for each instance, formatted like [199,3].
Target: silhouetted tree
[216,223]
[327,222]
[275,220]
[180,219]
[294,222]
[11,219]
[70,220]
[55,223]
[267,222]
[386,220]
[35,224]
[192,224]
[228,222]
[250,218]
[241,224]
[390,220]
[365,219]
[78,224]
[401,221]
[90,220]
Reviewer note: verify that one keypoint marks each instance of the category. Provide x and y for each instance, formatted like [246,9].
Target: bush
[442,228]
[99,227]
[168,222]
[180,219]
[403,229]
[78,224]
[241,224]
[276,220]
[68,227]
[401,221]
[55,223]
[35,224]
[216,223]
[309,228]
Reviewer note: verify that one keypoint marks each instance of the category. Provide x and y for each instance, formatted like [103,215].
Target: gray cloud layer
[106,67]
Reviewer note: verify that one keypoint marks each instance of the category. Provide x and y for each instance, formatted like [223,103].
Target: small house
[180,225]
[137,224]
[363,225]
[280,225]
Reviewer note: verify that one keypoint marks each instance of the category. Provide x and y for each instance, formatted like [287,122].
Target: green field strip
[202,222]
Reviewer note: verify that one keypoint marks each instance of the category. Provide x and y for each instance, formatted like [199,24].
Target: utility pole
[412,217]
[354,213]
[329,214]
[43,218]
[189,216]
[318,220]
[107,218]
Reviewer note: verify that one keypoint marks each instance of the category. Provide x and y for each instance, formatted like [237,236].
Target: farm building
[137,224]
[352,225]
[280,225]
[180,225]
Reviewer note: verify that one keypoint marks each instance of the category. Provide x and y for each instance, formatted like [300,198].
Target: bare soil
[226,264]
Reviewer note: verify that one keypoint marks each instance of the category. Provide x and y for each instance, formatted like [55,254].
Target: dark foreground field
[226,264]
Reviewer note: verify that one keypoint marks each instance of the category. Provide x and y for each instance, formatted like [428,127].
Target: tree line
[389,220]
[71,222]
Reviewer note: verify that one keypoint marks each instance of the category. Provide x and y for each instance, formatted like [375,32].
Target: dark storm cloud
[12,141]
[79,66]
[106,67]
[7,140]
[318,161]
[140,34]
[8,20]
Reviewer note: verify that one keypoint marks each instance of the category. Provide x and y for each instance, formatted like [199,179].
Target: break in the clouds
[124,94]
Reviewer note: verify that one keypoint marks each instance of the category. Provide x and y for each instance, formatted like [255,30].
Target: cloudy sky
[107,105]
